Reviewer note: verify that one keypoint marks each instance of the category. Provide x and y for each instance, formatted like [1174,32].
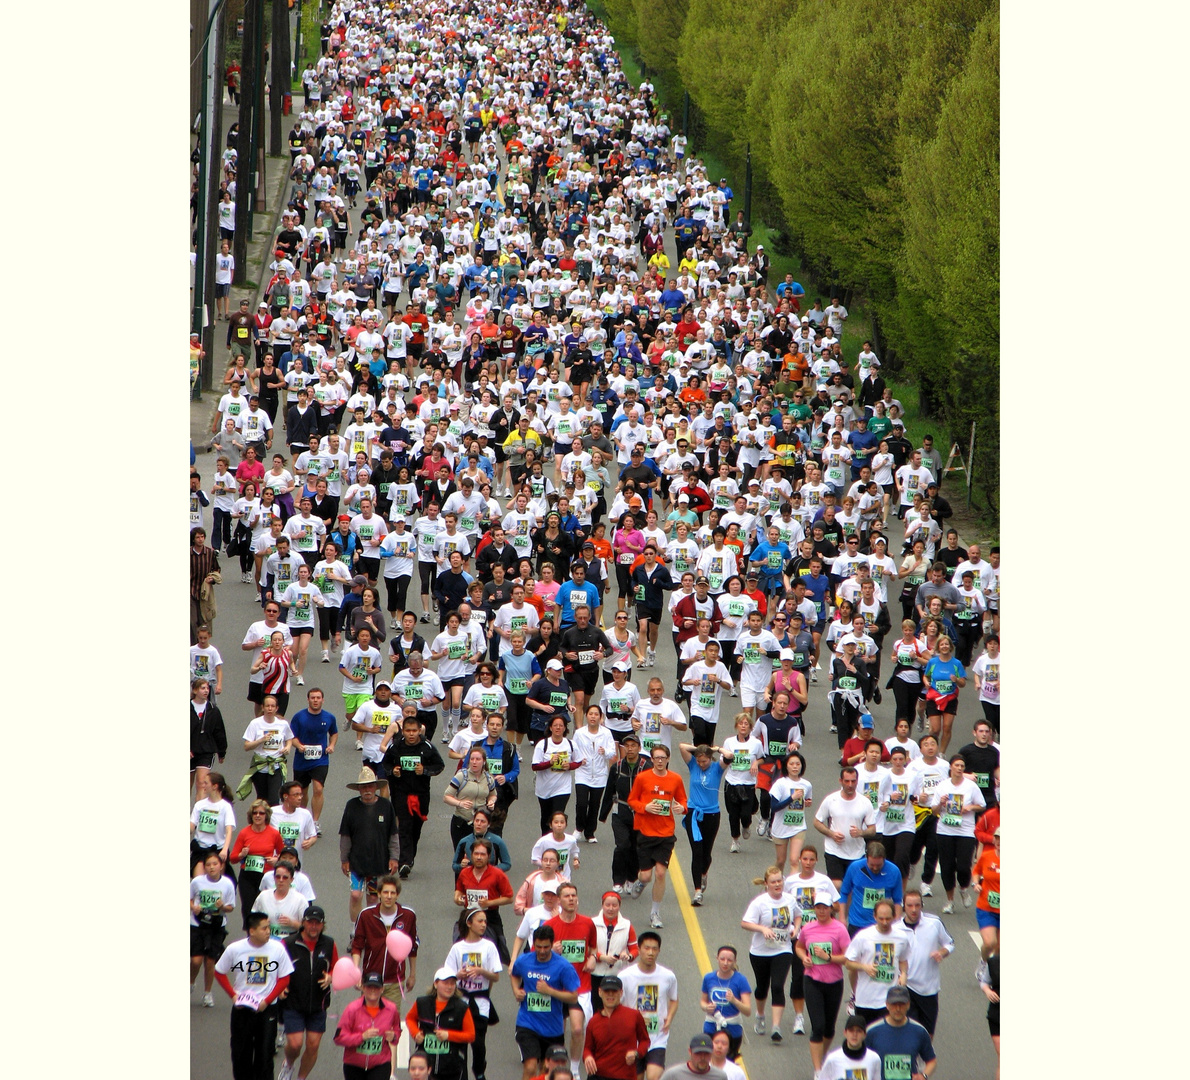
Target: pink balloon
[400,944]
[345,975]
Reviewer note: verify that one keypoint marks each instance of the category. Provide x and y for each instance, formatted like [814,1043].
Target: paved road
[962,1041]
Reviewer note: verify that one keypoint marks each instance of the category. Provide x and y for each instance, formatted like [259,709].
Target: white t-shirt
[378,718]
[212,821]
[211,894]
[652,731]
[897,791]
[254,969]
[886,951]
[279,733]
[650,994]
[839,814]
[204,663]
[985,667]
[781,915]
[358,661]
[757,666]
[295,827]
[705,697]
[791,820]
[481,953]
[262,632]
[293,906]
[955,798]
[556,780]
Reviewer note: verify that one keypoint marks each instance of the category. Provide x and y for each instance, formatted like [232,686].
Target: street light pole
[204,154]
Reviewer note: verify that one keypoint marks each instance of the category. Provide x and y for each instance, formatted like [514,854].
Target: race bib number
[586,656]
[897,1067]
[374,1044]
[413,692]
[490,702]
[289,832]
[895,815]
[254,864]
[410,764]
[777,749]
[982,780]
[883,975]
[434,1045]
[872,897]
[943,686]
[560,762]
[993,900]
[952,821]
[456,650]
[248,999]
[495,767]
[518,686]
[558,699]
[794,818]
[774,560]
[640,594]
[474,896]
[574,950]
[242,332]
[847,682]
[663,807]
[741,760]
[535,1002]
[706,701]
[207,821]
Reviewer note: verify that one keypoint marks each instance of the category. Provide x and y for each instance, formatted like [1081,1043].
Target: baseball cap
[702,580]
[787,654]
[856,1021]
[555,665]
[345,517]
[611,982]
[823,897]
[373,978]
[557,1053]
[444,973]
[631,737]
[897,995]
[621,665]
[701,1044]
[866,721]
[316,913]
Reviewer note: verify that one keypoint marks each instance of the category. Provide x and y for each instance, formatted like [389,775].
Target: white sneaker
[655,921]
[818,666]
[926,890]
[948,908]
[732,693]
[735,847]
[618,890]
[326,656]
[637,889]
[208,1001]
[762,829]
[286,1069]
[814,677]
[966,895]
[696,901]
[359,742]
[593,840]
[758,1027]
[799,1025]
[301,681]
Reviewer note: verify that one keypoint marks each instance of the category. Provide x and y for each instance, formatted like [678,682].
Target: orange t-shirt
[649,786]
[988,872]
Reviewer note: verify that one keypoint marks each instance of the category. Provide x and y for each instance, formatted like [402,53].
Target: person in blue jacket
[545,985]
[866,881]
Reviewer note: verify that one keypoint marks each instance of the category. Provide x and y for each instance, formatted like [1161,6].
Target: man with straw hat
[369,844]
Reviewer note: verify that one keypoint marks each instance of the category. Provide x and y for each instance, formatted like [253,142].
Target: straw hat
[366,776]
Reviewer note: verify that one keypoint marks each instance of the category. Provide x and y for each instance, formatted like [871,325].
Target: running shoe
[851,1005]
[799,1025]
[655,921]
[747,834]
[301,681]
[776,1036]
[762,829]
[758,1027]
[425,617]
[814,676]
[834,730]
[404,871]
[208,1001]
[948,908]
[359,742]
[286,1069]
[326,656]
[637,889]
[696,900]
[592,839]
[318,828]
[926,890]
[735,847]
[966,895]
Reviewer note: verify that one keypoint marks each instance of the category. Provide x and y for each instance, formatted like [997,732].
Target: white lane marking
[976,939]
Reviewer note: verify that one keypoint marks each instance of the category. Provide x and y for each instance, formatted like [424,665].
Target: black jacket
[396,650]
[300,426]
[488,558]
[305,995]
[450,590]
[207,734]
[619,786]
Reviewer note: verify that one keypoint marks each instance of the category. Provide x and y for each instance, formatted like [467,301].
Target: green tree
[659,27]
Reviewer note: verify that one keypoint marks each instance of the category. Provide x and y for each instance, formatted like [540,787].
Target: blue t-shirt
[781,555]
[571,594]
[942,674]
[312,729]
[703,793]
[816,590]
[716,989]
[541,1013]
[899,1048]
[862,890]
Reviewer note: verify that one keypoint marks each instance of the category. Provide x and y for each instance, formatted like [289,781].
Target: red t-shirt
[578,941]
[495,884]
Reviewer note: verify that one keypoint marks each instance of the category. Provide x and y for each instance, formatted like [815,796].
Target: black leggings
[249,891]
[702,731]
[991,713]
[479,1048]
[968,637]
[700,850]
[624,868]
[549,807]
[426,571]
[822,1007]
[926,839]
[358,1072]
[906,695]
[774,970]
[955,854]
[740,799]
[398,588]
[586,810]
[898,847]
[843,716]
[328,622]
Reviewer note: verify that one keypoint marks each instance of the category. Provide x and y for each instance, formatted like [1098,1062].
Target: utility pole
[281,79]
[748,187]
[210,111]
[244,139]
[258,179]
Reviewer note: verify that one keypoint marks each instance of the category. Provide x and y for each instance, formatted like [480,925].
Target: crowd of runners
[489,446]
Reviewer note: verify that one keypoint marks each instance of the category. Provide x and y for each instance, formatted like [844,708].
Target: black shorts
[222,290]
[202,761]
[207,941]
[390,298]
[256,692]
[932,708]
[534,1046]
[299,631]
[653,850]
[836,868]
[369,567]
[652,614]
[306,775]
[293,1021]
[655,1056]
[584,679]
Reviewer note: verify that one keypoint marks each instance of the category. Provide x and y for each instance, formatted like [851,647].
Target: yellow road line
[694,931]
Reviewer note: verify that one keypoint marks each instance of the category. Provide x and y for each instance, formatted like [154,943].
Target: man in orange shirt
[655,797]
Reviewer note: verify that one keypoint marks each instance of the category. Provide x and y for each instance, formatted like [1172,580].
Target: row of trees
[875,135]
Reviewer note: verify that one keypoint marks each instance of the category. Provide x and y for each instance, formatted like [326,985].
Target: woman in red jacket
[367,1030]
[256,848]
[442,1026]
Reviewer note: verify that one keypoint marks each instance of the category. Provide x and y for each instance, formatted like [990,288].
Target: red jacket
[369,942]
[355,1021]
[985,827]
[685,609]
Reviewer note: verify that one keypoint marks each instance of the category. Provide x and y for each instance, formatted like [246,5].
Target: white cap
[823,897]
[555,664]
[683,498]
[621,665]
[787,654]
